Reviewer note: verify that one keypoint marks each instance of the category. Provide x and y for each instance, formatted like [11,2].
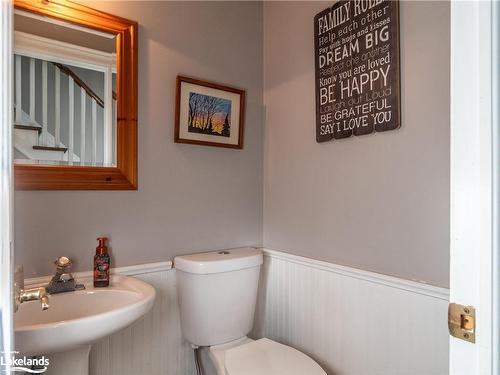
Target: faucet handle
[63,263]
[44,300]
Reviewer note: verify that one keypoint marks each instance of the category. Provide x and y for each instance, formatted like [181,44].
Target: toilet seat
[267,357]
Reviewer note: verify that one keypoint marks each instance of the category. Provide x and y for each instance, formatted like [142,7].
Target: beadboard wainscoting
[353,321]
[350,321]
[154,344]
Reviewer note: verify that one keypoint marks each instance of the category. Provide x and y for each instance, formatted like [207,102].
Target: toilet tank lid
[219,261]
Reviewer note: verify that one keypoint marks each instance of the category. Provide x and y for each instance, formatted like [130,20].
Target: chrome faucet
[63,280]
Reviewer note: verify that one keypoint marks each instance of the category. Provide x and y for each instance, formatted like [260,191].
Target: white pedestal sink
[75,320]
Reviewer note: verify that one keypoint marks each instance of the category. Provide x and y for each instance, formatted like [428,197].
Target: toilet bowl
[217,298]
[263,357]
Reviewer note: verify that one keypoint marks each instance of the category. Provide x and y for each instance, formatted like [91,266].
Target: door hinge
[462,322]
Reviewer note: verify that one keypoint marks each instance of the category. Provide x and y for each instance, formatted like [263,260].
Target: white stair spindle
[57,135]
[83,98]
[115,125]
[44,102]
[94,131]
[71,110]
[18,89]
[108,116]
[32,89]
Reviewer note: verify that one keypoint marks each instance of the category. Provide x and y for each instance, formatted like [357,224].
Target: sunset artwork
[209,115]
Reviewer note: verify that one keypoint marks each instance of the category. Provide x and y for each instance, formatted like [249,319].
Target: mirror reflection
[64,93]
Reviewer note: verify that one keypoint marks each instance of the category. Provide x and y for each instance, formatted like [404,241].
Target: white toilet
[217,296]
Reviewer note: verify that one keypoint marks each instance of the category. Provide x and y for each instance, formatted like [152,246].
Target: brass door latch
[462,322]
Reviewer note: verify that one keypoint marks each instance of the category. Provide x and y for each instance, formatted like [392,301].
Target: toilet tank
[217,294]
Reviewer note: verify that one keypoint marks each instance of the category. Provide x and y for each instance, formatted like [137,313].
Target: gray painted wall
[377,202]
[190,198]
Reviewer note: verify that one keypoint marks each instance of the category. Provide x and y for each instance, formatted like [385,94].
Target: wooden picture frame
[221,125]
[74,177]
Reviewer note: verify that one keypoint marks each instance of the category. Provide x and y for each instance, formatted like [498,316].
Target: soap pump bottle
[101,264]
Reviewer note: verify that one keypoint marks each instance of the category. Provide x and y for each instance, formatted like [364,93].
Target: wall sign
[357,68]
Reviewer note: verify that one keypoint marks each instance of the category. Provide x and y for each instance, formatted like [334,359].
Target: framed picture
[209,114]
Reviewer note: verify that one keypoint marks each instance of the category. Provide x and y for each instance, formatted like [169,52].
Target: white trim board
[474,180]
[372,277]
[65,53]
[6,181]
[139,269]
[69,25]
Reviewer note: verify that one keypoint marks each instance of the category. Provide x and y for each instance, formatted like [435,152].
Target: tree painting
[209,115]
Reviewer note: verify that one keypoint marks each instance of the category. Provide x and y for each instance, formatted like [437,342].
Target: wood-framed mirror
[75,95]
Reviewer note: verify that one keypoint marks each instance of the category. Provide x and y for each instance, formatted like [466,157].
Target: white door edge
[6,182]
[495,253]
[474,180]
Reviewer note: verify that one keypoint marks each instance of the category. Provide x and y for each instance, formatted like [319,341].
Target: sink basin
[76,319]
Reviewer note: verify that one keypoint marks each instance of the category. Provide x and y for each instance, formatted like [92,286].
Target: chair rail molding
[413,286]
[134,270]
